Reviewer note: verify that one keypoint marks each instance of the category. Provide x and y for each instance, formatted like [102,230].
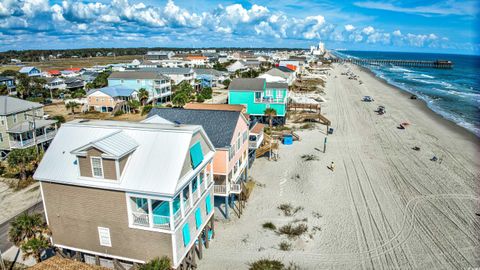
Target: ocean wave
[400,69]
[427,76]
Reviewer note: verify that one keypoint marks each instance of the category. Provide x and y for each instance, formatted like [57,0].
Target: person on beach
[332,166]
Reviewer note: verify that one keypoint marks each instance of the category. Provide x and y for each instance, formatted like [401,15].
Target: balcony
[25,143]
[270,100]
[255,141]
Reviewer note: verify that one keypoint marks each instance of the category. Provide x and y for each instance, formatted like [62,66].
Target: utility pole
[325,145]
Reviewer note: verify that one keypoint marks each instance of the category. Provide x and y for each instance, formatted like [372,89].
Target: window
[14,118]
[258,95]
[25,116]
[186,234]
[196,154]
[231,153]
[138,81]
[245,137]
[1,137]
[97,168]
[198,218]
[238,142]
[104,236]
[279,94]
[268,93]
[3,121]
[208,204]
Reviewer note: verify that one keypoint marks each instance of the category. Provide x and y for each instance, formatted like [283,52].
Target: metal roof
[117,145]
[278,72]
[219,125]
[155,167]
[249,84]
[140,75]
[10,105]
[114,91]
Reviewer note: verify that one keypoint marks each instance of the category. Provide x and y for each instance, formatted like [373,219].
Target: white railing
[219,189]
[161,222]
[236,188]
[140,219]
[196,195]
[177,217]
[31,142]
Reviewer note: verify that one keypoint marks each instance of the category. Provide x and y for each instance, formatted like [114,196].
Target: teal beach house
[257,95]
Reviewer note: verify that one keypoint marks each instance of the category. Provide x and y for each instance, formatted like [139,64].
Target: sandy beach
[385,206]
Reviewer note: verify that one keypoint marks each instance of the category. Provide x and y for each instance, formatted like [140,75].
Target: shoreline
[451,125]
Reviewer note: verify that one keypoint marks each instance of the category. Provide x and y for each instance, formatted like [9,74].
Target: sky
[388,25]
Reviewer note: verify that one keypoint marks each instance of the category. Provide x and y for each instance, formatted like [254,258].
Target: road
[5,227]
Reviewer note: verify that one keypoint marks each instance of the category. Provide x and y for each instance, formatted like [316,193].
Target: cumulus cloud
[349,28]
[101,21]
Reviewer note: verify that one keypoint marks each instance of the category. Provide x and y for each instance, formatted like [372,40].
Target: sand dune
[385,206]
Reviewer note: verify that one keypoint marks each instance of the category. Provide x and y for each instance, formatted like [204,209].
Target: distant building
[9,82]
[210,77]
[17,121]
[196,60]
[279,74]
[238,65]
[176,75]
[257,95]
[158,85]
[55,83]
[30,71]
[159,55]
[106,99]
[318,49]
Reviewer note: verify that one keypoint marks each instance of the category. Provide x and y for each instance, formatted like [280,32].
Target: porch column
[150,213]
[182,208]
[226,206]
[21,139]
[172,217]
[191,194]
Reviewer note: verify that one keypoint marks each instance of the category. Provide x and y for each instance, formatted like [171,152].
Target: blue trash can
[287,139]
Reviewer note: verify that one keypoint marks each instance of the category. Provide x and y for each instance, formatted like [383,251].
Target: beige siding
[123,162]
[75,213]
[109,167]
[9,123]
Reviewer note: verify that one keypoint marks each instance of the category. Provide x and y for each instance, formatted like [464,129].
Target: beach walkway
[386,206]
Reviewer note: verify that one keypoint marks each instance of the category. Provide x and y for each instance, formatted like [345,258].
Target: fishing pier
[442,64]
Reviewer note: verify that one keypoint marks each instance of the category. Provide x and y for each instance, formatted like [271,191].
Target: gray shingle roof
[247,84]
[277,85]
[219,125]
[140,75]
[10,105]
[164,70]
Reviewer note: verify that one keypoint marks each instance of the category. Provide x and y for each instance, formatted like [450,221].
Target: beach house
[229,133]
[176,74]
[210,77]
[128,192]
[30,71]
[256,94]
[157,85]
[279,74]
[22,125]
[110,98]
[9,82]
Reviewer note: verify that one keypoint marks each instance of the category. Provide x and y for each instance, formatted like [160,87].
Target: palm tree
[270,113]
[157,264]
[34,247]
[71,106]
[24,229]
[23,161]
[143,95]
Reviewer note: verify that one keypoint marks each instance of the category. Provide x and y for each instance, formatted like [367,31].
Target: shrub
[285,246]
[157,264]
[293,231]
[200,98]
[309,157]
[59,118]
[288,209]
[269,226]
[146,109]
[266,264]
[307,126]
[118,113]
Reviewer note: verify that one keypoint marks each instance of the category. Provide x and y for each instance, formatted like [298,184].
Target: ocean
[452,93]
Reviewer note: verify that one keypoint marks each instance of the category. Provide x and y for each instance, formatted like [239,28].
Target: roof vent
[177,123]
